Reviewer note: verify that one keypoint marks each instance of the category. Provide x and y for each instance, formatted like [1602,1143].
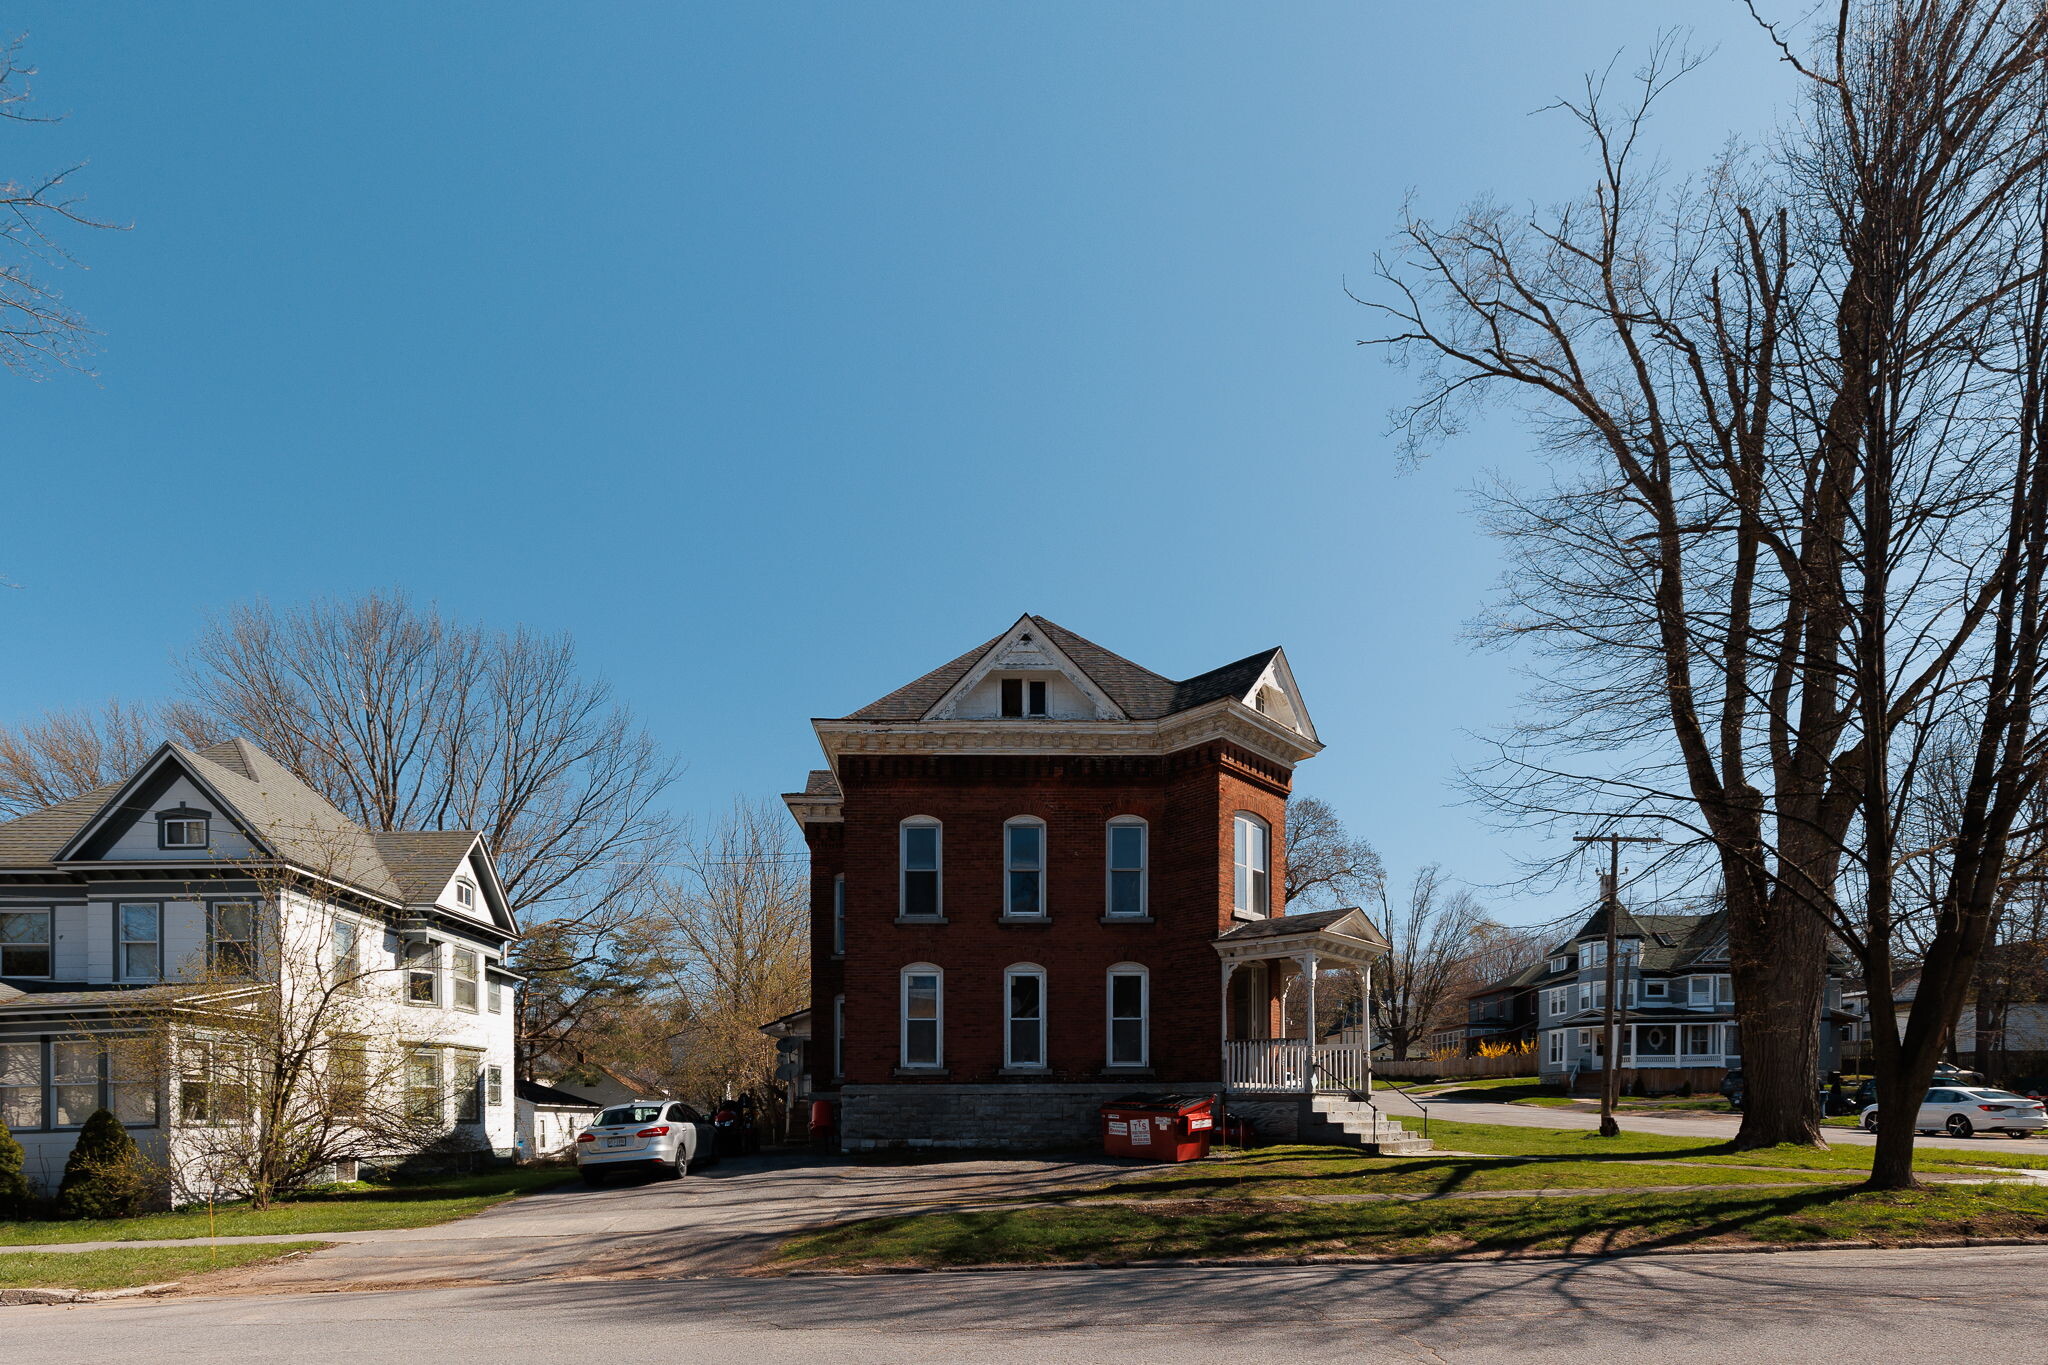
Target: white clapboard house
[194,886]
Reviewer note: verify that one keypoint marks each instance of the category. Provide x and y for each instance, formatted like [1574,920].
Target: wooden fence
[1522,1065]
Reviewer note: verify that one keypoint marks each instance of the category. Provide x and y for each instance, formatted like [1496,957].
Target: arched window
[924,1016]
[1253,844]
[1024,1016]
[921,893]
[1125,895]
[1024,868]
[1128,1007]
[839,915]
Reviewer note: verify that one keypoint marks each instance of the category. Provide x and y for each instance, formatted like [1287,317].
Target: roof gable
[1026,646]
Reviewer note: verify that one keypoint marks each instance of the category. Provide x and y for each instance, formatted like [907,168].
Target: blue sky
[782,352]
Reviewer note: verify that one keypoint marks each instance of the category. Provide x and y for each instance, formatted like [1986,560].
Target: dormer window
[465,895]
[1023,697]
[182,827]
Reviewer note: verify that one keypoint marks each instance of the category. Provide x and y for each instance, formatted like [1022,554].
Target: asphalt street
[1797,1306]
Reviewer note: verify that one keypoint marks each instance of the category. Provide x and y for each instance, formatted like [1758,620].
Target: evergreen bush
[15,1200]
[106,1176]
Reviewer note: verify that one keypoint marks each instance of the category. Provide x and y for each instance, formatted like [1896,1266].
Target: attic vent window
[465,895]
[1023,697]
[182,827]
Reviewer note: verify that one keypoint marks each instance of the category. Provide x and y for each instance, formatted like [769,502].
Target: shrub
[15,1200]
[106,1176]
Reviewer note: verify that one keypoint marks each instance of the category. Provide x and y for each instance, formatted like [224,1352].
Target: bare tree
[1785,534]
[66,753]
[1326,866]
[406,719]
[1422,983]
[39,332]
[741,923]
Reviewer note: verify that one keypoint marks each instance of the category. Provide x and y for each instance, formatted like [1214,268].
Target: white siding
[67,958]
[137,843]
[184,939]
[99,941]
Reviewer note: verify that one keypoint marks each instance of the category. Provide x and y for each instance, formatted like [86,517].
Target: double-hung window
[74,1081]
[344,947]
[494,1086]
[494,996]
[839,915]
[21,1085]
[1553,1043]
[423,1086]
[924,1020]
[141,931]
[422,971]
[1024,868]
[922,858]
[1024,1016]
[1699,990]
[1128,1006]
[1126,867]
[462,970]
[233,941]
[467,1068]
[1252,844]
[1593,955]
[24,943]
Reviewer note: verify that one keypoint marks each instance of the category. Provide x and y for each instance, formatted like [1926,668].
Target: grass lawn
[1208,1228]
[138,1265]
[1291,1170]
[346,1208]
[1585,1144]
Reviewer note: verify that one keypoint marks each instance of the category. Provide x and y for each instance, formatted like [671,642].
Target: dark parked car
[1731,1087]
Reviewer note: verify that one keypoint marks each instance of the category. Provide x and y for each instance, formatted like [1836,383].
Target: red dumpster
[1162,1127]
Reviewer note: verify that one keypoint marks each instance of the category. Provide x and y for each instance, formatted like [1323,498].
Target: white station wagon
[1961,1111]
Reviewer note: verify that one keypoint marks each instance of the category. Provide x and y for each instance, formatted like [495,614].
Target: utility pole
[1610,897]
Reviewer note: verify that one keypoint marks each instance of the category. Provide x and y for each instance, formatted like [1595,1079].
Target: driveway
[713,1222]
[1720,1127]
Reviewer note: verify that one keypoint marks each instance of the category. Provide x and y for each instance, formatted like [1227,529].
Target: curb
[9,1297]
[1281,1262]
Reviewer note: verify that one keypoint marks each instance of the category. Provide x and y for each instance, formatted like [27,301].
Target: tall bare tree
[1326,865]
[1786,535]
[407,719]
[1435,932]
[39,332]
[64,753]
[740,917]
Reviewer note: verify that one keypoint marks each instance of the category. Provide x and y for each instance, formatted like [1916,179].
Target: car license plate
[615,1142]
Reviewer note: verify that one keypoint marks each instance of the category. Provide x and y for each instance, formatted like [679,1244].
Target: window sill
[927,1072]
[1127,919]
[920,919]
[1248,915]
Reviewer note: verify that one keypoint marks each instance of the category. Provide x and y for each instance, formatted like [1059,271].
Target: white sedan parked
[1960,1111]
[666,1137]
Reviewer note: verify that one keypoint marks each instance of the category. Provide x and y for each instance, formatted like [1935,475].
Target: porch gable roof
[1344,935]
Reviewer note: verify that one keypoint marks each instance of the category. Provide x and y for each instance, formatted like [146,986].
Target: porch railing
[1293,1065]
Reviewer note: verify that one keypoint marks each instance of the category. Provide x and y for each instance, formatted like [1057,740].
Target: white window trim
[463,884]
[1555,1046]
[938,868]
[838,1036]
[122,941]
[938,1061]
[1024,686]
[1662,991]
[1110,869]
[1144,976]
[839,915]
[475,978]
[1010,1063]
[48,943]
[408,965]
[1026,822]
[1242,897]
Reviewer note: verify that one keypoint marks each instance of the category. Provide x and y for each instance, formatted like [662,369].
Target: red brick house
[1044,876]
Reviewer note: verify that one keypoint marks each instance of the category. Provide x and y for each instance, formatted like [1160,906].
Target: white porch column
[1223,1025]
[1309,965]
[1365,1023]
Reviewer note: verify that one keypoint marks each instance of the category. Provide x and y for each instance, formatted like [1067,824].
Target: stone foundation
[990,1117]
[1274,1118]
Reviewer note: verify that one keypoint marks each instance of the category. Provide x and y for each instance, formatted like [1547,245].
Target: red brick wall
[1189,800]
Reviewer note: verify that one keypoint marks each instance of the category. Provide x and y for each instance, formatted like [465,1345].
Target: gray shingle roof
[423,861]
[32,840]
[533,1092]
[1143,694]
